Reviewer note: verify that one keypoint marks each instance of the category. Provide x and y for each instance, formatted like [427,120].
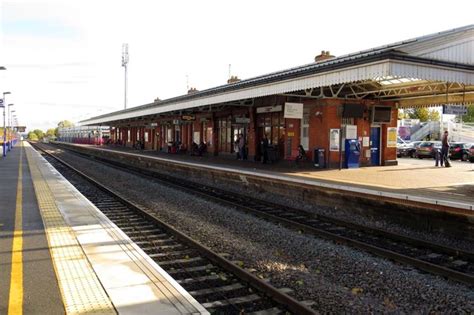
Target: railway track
[455,264]
[221,286]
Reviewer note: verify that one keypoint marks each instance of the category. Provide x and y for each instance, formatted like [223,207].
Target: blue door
[375,146]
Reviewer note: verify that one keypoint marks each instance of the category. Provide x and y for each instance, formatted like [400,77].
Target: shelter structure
[318,105]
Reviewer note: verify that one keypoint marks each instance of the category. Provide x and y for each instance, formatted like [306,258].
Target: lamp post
[10,123]
[9,126]
[4,127]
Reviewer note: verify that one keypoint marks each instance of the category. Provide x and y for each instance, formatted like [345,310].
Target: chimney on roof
[157,100]
[192,90]
[325,55]
[233,79]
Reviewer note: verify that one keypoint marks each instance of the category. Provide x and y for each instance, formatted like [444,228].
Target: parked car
[459,150]
[408,149]
[426,149]
[470,152]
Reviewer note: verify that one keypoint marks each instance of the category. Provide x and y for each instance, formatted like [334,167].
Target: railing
[431,127]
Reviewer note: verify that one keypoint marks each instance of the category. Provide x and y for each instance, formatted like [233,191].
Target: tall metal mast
[124,64]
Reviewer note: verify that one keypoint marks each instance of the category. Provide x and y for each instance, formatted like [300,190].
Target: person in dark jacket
[264,148]
[301,153]
[445,149]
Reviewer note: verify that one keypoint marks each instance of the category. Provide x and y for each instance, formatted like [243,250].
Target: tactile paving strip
[81,290]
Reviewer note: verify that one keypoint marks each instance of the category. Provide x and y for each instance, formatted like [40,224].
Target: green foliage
[402,114]
[470,114]
[433,115]
[424,114]
[39,133]
[32,136]
[65,124]
[51,133]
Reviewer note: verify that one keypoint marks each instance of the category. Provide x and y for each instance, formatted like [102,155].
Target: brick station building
[317,105]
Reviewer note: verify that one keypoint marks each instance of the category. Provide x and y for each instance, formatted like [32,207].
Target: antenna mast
[124,64]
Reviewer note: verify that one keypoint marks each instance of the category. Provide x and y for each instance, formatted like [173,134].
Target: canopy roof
[432,69]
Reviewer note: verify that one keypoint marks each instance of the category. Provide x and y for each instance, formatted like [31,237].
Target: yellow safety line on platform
[81,291]
[15,303]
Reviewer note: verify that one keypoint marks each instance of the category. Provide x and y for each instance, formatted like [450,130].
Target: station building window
[206,133]
[273,125]
[225,134]
[169,134]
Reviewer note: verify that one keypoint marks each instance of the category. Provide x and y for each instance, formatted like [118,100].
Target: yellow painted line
[80,288]
[15,303]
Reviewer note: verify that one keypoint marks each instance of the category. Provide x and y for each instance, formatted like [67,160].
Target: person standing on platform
[241,145]
[236,147]
[264,148]
[445,149]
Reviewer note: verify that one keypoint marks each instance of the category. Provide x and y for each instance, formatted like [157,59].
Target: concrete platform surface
[93,265]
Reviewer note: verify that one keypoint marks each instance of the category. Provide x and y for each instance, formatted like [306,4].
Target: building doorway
[375,145]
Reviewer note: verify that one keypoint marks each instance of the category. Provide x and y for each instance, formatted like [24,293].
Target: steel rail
[284,299]
[379,251]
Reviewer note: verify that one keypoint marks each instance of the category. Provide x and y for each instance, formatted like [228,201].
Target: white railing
[430,128]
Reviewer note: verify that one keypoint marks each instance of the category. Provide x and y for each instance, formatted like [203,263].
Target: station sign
[242,120]
[269,109]
[188,117]
[293,110]
[154,124]
[455,109]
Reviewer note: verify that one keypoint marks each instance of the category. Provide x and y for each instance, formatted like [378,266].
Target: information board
[293,110]
[391,137]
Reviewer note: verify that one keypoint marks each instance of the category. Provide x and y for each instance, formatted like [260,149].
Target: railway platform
[59,254]
[408,182]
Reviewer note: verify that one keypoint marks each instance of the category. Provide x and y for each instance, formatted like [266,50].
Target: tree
[32,136]
[401,114]
[434,115]
[63,124]
[470,114]
[51,133]
[423,114]
[39,133]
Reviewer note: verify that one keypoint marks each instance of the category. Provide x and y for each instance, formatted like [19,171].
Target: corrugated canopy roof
[446,56]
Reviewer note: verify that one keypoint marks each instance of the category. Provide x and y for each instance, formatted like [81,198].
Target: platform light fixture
[4,126]
[9,125]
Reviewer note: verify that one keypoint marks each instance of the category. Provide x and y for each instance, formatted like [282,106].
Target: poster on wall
[334,139]
[293,110]
[351,132]
[197,137]
[391,137]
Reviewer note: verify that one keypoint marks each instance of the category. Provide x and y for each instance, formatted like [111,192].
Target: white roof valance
[369,71]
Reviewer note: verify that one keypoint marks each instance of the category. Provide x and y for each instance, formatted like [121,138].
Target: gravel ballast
[337,278]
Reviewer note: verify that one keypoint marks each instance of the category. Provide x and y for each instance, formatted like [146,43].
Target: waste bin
[319,158]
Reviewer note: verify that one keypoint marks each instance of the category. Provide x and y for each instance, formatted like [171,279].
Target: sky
[63,57]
